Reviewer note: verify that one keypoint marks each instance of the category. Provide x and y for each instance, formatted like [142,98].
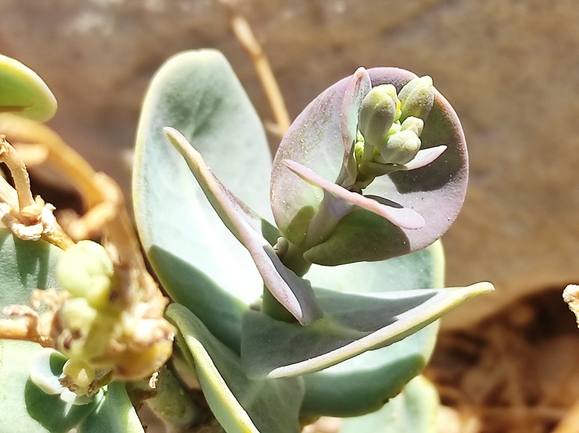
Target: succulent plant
[305,285]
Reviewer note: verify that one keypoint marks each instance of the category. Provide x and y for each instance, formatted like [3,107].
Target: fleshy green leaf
[217,309]
[352,324]
[25,266]
[23,92]
[239,404]
[293,292]
[198,93]
[362,384]
[25,408]
[115,413]
[414,410]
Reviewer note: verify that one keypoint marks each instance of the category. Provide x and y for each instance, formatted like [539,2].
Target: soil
[518,371]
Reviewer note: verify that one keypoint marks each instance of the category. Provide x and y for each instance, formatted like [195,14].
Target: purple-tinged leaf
[400,216]
[358,87]
[293,292]
[314,140]
[435,190]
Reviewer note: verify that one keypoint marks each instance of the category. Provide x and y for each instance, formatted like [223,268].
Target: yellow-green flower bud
[413,124]
[85,270]
[417,98]
[135,364]
[400,148]
[378,113]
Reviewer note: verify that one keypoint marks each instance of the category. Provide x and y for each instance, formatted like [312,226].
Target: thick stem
[294,259]
[321,226]
[274,309]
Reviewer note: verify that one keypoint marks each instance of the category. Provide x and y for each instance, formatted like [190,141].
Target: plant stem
[274,309]
[170,401]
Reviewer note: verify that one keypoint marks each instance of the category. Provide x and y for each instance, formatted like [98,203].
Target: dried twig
[27,217]
[245,35]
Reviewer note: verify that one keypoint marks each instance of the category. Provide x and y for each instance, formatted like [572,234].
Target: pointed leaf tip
[293,292]
[352,324]
[398,215]
[425,157]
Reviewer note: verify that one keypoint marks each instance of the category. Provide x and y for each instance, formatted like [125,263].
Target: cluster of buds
[389,127]
[369,145]
[104,327]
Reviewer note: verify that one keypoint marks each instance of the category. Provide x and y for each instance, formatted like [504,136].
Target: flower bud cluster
[390,124]
[102,326]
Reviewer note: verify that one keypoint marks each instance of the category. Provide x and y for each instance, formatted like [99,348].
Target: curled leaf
[433,184]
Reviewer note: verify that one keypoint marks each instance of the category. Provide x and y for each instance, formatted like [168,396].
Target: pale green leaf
[414,410]
[25,408]
[352,324]
[239,403]
[197,93]
[362,384]
[293,292]
[25,266]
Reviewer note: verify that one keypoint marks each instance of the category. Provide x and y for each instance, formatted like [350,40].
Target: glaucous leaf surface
[198,93]
[25,266]
[413,410]
[291,291]
[362,384]
[352,324]
[217,309]
[316,141]
[114,413]
[239,403]
[23,92]
[25,408]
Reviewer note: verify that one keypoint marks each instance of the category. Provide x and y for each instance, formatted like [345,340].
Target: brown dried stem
[245,35]
[18,171]
[106,211]
[27,217]
[55,152]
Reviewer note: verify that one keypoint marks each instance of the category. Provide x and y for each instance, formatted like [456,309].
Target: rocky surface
[509,67]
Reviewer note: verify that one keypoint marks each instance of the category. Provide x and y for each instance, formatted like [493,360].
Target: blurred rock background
[509,67]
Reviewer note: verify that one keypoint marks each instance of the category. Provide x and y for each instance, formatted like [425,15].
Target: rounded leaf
[435,191]
[197,259]
[23,92]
